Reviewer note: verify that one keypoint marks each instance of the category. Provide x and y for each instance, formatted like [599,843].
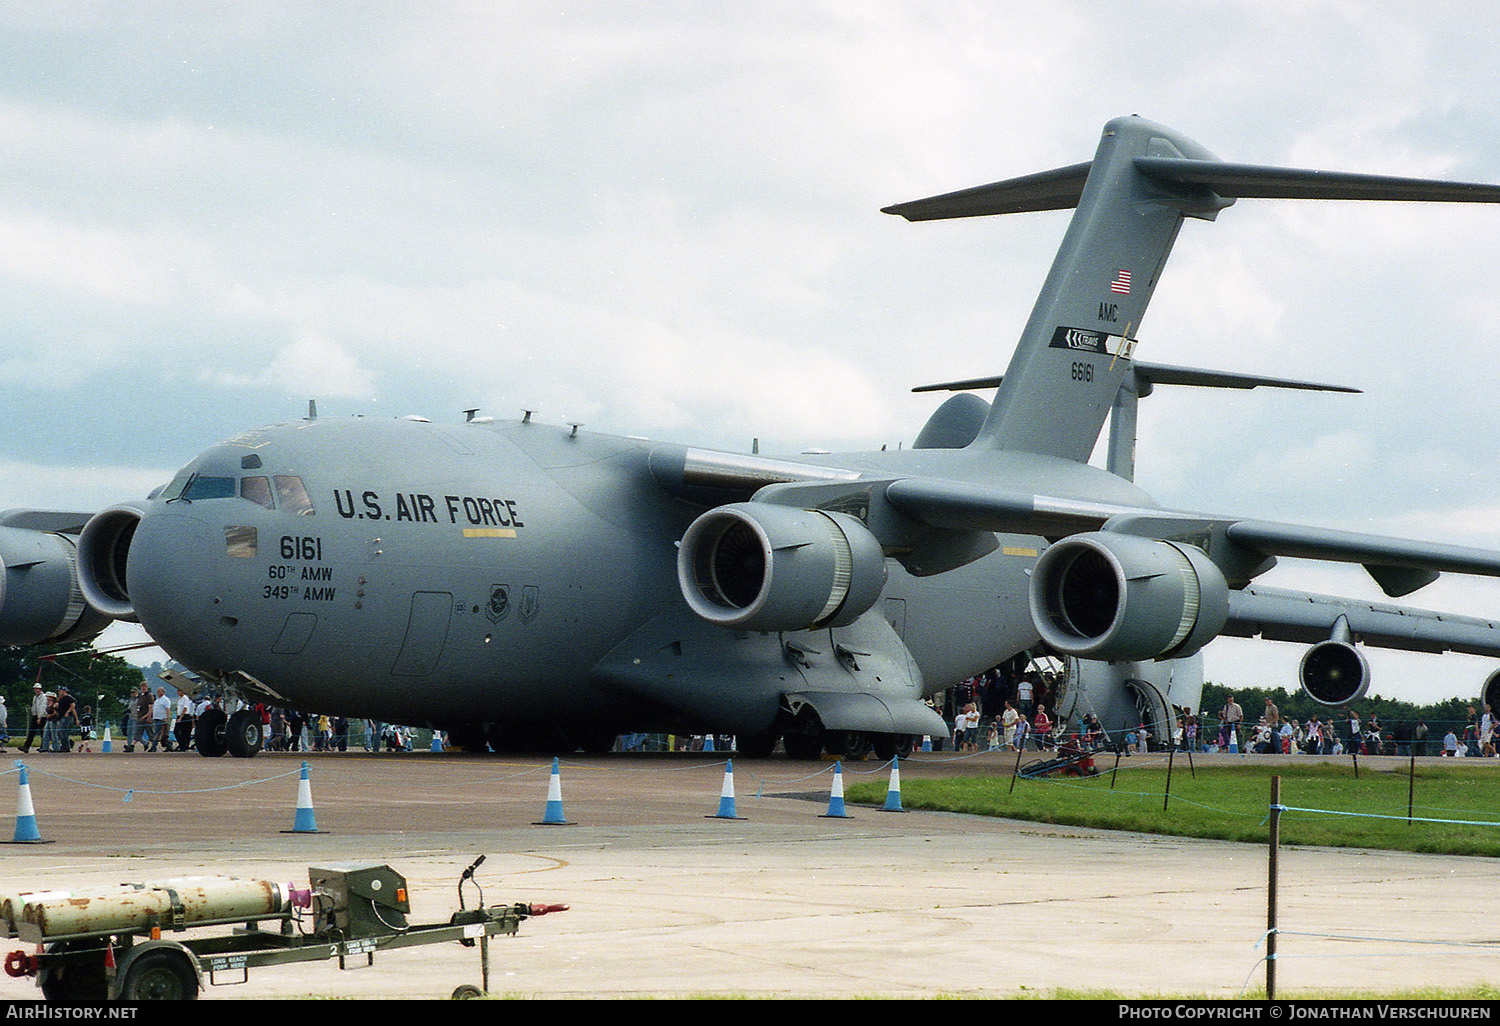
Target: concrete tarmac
[669,900]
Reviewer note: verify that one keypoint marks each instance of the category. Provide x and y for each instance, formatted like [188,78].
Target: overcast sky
[662,219]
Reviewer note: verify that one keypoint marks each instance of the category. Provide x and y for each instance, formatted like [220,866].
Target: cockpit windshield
[292,497]
[285,492]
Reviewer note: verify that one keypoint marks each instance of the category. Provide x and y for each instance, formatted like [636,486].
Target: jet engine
[763,567]
[40,600]
[1112,597]
[1334,673]
[1489,694]
[103,548]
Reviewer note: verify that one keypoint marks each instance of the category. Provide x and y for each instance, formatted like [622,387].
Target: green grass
[1233,803]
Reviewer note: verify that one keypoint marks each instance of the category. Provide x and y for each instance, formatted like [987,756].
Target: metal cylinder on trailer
[166,903]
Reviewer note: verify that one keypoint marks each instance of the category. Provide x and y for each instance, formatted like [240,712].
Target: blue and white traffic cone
[437,741]
[708,742]
[893,790]
[836,797]
[106,746]
[726,794]
[553,814]
[926,742]
[305,822]
[26,828]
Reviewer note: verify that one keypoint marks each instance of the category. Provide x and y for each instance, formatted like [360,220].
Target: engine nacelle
[1334,673]
[1117,597]
[103,550]
[40,600]
[1489,694]
[763,567]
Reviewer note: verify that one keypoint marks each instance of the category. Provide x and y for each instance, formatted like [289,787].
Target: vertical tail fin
[1075,350]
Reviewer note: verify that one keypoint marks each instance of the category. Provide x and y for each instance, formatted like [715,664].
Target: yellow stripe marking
[1018,552]
[489,532]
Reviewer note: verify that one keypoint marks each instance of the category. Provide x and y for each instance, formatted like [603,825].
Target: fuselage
[483,572]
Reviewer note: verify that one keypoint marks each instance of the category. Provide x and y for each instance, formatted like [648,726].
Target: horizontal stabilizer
[1251,181]
[1148,375]
[1058,189]
[1061,188]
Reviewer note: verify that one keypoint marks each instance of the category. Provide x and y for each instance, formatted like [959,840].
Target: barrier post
[1274,844]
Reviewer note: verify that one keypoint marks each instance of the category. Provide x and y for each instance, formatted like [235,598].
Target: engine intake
[763,567]
[1334,673]
[103,551]
[1489,693]
[1121,597]
[40,600]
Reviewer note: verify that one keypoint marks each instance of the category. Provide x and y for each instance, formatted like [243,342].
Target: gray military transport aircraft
[529,586]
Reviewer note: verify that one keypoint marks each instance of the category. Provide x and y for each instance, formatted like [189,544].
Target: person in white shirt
[161,719]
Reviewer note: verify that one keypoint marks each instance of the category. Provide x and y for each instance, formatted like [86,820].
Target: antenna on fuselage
[312,409]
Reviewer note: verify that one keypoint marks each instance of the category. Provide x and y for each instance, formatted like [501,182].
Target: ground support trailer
[133,942]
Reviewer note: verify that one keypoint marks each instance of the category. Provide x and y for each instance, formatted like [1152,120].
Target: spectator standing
[36,717]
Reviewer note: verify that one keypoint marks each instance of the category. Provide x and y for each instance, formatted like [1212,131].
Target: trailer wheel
[466,992]
[164,975]
[75,982]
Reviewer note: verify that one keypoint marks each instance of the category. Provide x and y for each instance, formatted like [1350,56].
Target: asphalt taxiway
[668,898]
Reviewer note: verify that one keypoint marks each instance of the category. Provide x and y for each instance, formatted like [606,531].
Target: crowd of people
[1344,733]
[1006,711]
[52,720]
[156,721]
[1001,710]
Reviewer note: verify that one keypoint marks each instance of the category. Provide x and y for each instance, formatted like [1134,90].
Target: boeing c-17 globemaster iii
[522,585]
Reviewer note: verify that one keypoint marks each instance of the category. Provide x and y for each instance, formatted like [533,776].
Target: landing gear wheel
[163,975]
[755,746]
[848,744]
[593,742]
[803,744]
[242,735]
[891,746]
[209,734]
[467,992]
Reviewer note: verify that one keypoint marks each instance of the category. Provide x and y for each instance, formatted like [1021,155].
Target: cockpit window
[174,489]
[204,487]
[292,496]
[256,490]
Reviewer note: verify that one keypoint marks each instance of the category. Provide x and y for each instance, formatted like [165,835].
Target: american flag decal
[1121,283]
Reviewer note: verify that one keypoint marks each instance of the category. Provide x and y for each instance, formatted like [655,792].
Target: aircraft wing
[1275,614]
[1399,566]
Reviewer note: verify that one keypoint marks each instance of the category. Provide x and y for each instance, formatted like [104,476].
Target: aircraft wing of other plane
[1276,614]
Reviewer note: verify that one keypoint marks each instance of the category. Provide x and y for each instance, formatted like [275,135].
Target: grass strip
[1455,812]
